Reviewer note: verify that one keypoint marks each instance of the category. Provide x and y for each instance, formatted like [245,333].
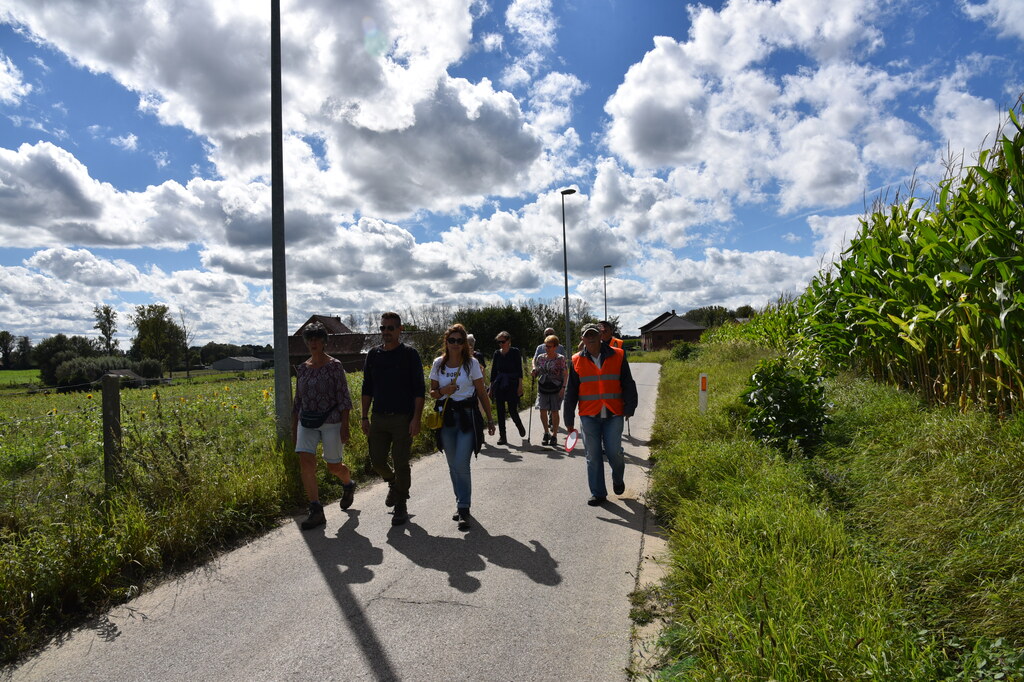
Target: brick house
[666,328]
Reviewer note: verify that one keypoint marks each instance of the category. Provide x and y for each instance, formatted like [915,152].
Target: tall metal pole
[565,268]
[605,272]
[282,375]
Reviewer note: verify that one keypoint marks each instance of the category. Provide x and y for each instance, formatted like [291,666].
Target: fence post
[702,394]
[111,429]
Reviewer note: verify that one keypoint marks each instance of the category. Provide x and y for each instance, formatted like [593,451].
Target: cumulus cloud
[129,142]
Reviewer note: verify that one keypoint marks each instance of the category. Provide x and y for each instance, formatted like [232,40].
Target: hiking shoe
[502,441]
[400,515]
[464,519]
[455,516]
[596,500]
[316,516]
[619,488]
[544,440]
[392,497]
[522,431]
[348,494]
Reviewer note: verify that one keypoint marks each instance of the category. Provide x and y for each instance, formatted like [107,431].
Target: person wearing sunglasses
[507,384]
[551,369]
[320,413]
[456,379]
[393,387]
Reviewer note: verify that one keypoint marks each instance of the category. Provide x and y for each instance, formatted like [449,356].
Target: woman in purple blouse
[320,414]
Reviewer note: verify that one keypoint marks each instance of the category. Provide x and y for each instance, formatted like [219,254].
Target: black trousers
[508,404]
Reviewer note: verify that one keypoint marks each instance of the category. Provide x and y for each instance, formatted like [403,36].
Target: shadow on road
[344,559]
[458,557]
[632,515]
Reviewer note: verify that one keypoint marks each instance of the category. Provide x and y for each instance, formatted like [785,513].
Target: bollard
[702,399]
[111,429]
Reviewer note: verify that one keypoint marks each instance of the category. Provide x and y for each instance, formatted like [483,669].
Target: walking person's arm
[367,396]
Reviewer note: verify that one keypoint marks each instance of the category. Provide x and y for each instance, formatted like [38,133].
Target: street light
[605,272]
[565,268]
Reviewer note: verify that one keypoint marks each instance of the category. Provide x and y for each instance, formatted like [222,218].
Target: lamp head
[566,192]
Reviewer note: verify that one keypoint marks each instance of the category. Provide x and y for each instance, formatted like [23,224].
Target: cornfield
[929,294]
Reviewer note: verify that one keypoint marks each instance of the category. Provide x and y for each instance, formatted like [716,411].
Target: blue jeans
[602,439]
[458,448]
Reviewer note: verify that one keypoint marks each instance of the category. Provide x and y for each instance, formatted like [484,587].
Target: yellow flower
[266,394]
[154,396]
[227,388]
[89,396]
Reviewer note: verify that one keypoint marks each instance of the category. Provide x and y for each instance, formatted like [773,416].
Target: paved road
[535,591]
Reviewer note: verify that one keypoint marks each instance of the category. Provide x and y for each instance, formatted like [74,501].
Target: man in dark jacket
[393,384]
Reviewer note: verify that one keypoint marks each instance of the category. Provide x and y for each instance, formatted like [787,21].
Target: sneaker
[401,514]
[545,440]
[348,494]
[596,500]
[554,441]
[316,516]
[619,488]
[464,519]
[390,500]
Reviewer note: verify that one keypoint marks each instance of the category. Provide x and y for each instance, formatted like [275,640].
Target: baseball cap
[590,328]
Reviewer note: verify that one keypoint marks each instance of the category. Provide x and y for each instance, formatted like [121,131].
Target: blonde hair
[551,339]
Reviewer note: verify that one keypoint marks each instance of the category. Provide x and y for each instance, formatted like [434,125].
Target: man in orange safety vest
[601,383]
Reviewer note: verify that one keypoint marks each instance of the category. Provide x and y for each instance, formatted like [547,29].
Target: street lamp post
[565,268]
[605,272]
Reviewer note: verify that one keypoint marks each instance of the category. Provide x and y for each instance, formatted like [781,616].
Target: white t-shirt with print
[444,375]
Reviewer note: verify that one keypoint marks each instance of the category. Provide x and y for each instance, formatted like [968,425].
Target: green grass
[18,377]
[895,553]
[202,470]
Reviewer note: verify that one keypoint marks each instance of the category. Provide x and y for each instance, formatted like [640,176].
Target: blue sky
[723,152]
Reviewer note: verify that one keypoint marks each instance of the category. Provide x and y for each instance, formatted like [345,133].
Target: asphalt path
[536,590]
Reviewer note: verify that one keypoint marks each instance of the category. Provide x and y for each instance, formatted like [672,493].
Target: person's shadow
[458,557]
[347,549]
[632,515]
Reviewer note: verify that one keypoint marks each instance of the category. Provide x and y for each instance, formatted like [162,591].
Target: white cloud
[492,42]
[534,25]
[12,88]
[1007,16]
[129,142]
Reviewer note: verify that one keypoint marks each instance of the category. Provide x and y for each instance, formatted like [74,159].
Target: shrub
[787,404]
[682,350]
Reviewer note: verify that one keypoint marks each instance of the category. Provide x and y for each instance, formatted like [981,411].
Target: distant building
[342,343]
[237,364]
[666,328]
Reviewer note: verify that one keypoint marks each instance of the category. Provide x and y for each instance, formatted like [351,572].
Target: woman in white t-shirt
[456,378]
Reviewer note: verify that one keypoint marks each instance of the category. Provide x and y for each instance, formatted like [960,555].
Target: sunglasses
[550,345]
[387,327]
[456,340]
[503,340]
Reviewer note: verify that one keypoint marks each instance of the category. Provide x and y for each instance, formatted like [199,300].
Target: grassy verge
[202,471]
[894,554]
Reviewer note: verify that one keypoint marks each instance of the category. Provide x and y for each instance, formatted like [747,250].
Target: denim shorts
[306,440]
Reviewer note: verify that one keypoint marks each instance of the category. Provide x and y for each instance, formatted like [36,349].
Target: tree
[745,311]
[485,324]
[23,354]
[6,348]
[56,350]
[106,323]
[709,316]
[157,335]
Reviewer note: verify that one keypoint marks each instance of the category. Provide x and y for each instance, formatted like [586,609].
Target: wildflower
[227,388]
[154,395]
[89,396]
[266,394]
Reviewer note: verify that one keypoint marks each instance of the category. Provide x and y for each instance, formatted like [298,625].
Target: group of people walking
[598,381]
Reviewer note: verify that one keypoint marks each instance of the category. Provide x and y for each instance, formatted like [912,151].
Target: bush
[682,350]
[149,368]
[787,404]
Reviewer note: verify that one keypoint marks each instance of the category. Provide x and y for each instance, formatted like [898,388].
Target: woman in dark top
[507,384]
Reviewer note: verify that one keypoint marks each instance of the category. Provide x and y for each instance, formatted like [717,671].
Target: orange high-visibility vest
[600,387]
[615,343]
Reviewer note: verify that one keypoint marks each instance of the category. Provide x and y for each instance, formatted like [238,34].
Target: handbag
[434,419]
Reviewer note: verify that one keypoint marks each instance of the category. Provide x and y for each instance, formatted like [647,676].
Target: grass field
[18,377]
[894,553]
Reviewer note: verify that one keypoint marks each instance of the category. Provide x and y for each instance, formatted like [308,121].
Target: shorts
[306,440]
[549,401]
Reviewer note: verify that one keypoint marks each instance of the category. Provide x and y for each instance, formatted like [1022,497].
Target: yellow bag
[433,419]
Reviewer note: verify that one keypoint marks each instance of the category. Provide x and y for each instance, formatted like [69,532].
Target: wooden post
[111,429]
